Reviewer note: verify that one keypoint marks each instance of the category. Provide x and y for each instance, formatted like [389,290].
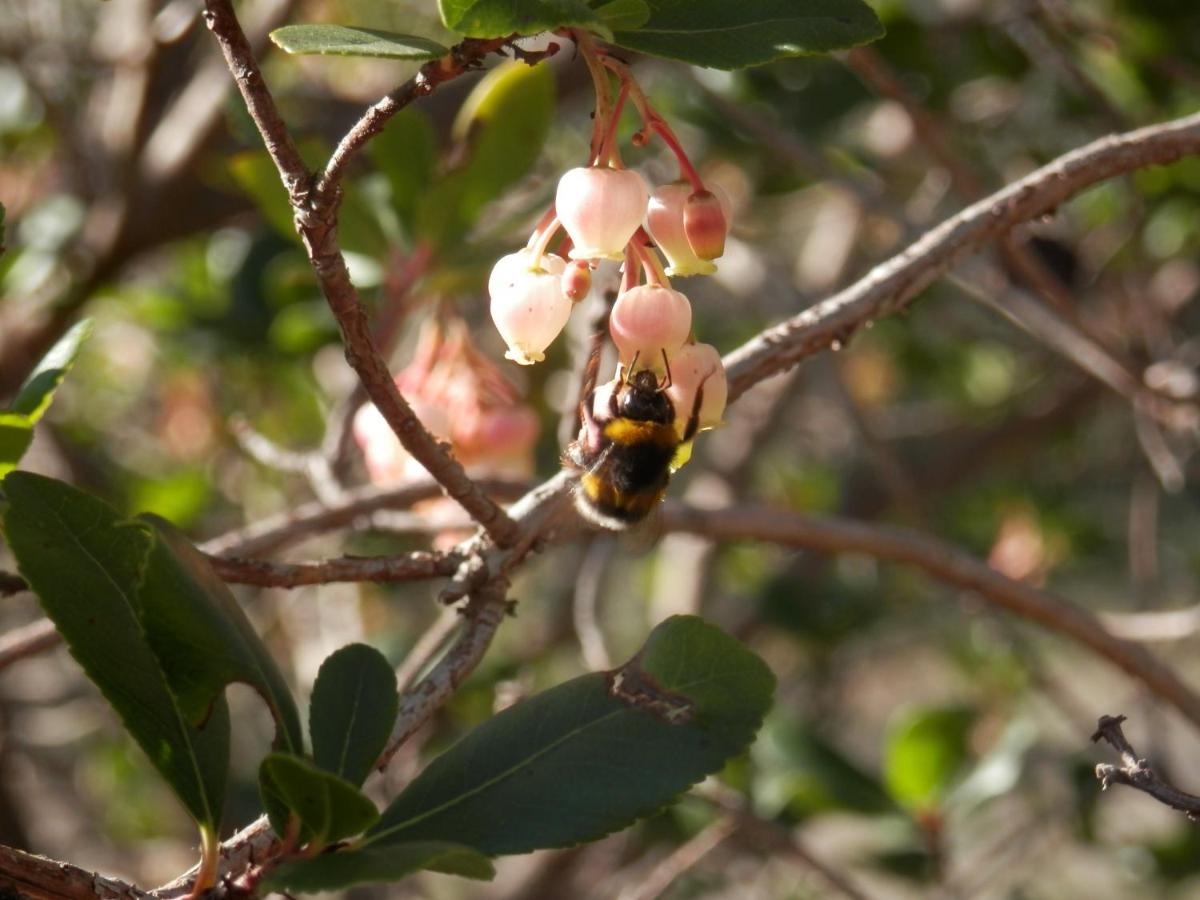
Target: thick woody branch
[409,567]
[1136,772]
[947,564]
[892,285]
[28,875]
[316,223]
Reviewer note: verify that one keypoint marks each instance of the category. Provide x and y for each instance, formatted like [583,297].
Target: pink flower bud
[705,223]
[577,279]
[694,366]
[664,223]
[646,321]
[528,304]
[600,208]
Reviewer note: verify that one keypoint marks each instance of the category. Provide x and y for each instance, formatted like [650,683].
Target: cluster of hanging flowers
[609,213]
[461,397]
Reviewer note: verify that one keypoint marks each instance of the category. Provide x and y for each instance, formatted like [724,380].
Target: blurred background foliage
[921,745]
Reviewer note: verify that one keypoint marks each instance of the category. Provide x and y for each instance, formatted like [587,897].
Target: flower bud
[577,279]
[600,208]
[705,223]
[693,367]
[647,321]
[664,224]
[528,304]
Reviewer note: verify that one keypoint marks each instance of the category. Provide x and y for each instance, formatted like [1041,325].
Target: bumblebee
[627,456]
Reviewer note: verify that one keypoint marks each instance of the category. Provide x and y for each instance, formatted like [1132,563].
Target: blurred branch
[275,533]
[315,207]
[946,563]
[765,836]
[1136,772]
[656,882]
[28,640]
[893,284]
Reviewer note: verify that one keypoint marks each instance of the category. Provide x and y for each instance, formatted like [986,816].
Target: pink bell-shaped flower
[694,366]
[665,223]
[600,208]
[706,223]
[528,304]
[647,321]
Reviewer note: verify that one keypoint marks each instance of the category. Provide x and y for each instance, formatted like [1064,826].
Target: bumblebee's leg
[693,422]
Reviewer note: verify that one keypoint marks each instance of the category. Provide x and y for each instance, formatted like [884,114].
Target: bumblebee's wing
[642,537]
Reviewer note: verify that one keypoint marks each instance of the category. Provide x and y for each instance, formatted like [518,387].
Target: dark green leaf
[334,871]
[329,808]
[203,637]
[341,40]
[496,18]
[926,751]
[592,755]
[731,35]
[623,15]
[353,706]
[85,564]
[803,772]
[405,152]
[504,123]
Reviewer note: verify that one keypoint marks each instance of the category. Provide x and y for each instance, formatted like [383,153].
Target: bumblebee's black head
[642,398]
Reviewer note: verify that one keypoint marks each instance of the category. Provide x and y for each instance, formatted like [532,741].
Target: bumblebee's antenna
[667,365]
[632,366]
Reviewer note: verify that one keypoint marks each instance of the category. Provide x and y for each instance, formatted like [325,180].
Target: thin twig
[1136,772]
[827,534]
[893,284]
[28,875]
[316,223]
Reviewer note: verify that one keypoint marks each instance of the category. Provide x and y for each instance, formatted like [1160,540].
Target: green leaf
[343,40]
[503,123]
[624,15]
[590,756]
[731,35]
[85,563]
[329,807]
[16,434]
[34,396]
[406,152]
[926,751]
[334,871]
[801,771]
[354,703]
[203,637]
[497,18]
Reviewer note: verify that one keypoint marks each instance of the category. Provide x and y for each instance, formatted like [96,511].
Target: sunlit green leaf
[926,752]
[342,40]
[496,18]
